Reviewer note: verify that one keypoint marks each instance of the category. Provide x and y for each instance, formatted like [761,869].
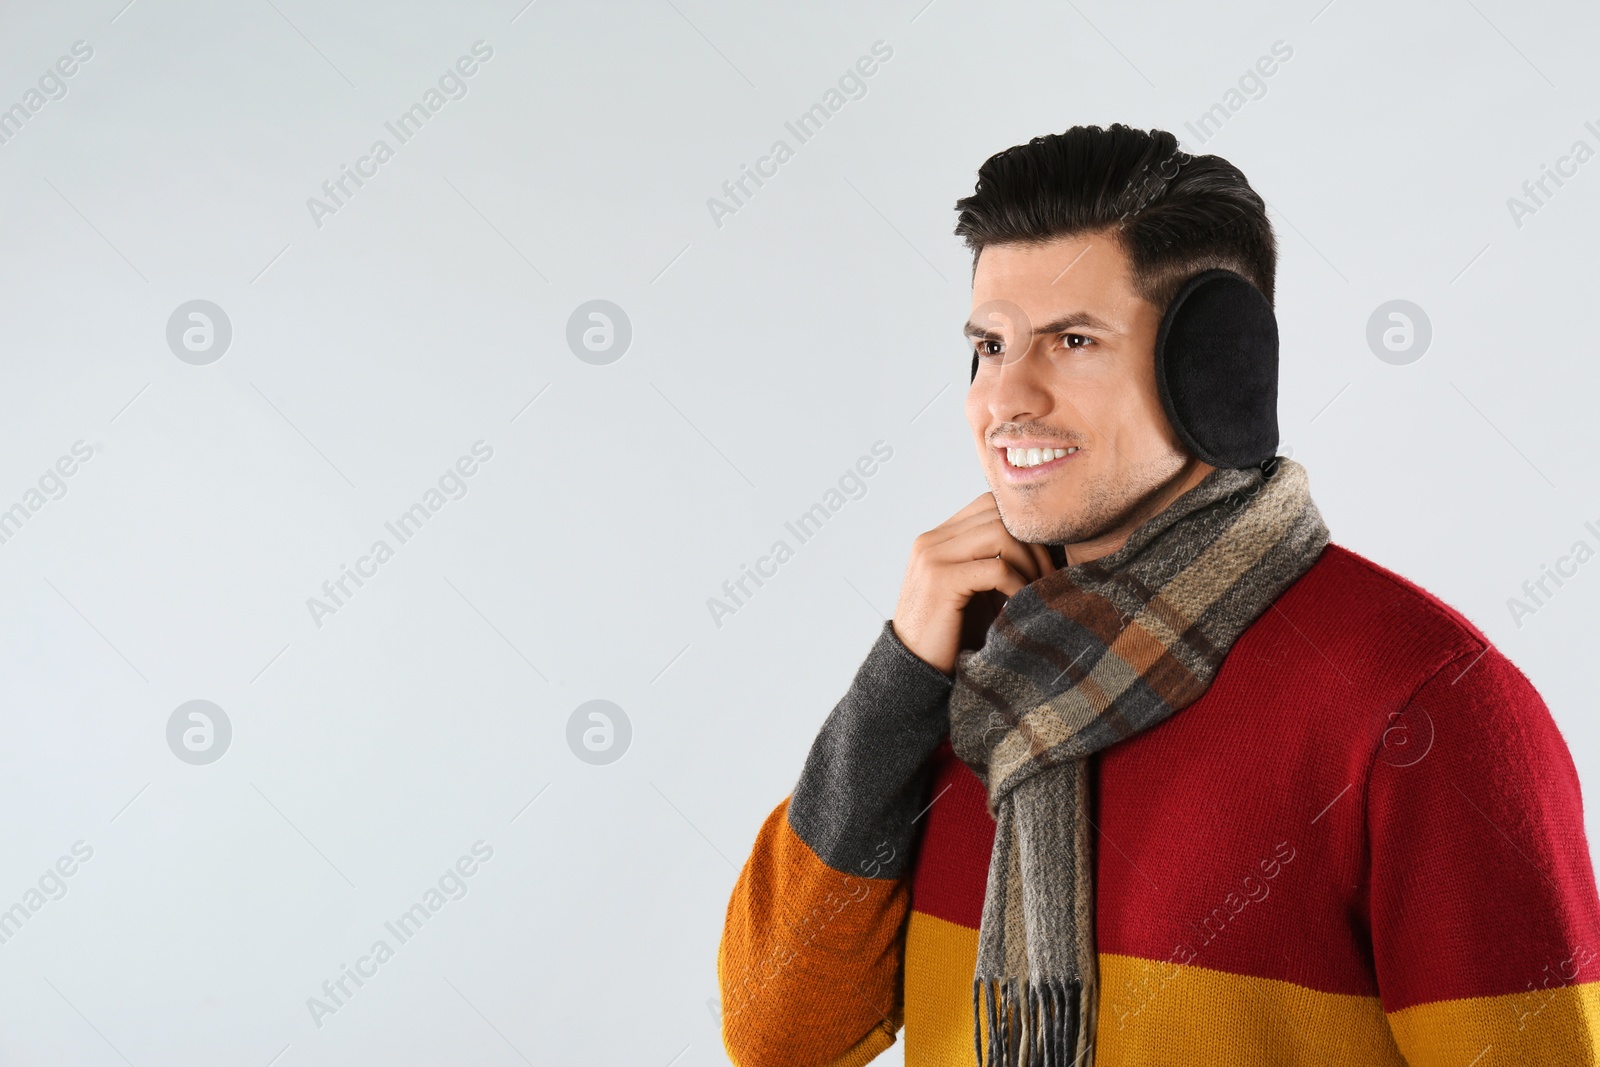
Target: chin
[1056,518]
[1032,524]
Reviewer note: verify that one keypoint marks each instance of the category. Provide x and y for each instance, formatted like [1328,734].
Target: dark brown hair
[1174,214]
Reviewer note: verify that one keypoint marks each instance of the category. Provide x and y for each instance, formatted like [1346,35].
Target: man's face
[1083,379]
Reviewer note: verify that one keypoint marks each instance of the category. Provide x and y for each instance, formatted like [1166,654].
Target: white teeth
[1032,457]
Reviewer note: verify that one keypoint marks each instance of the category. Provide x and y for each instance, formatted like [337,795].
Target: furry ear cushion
[1217,369]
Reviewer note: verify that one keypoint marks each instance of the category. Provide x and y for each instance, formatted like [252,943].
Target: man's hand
[955,563]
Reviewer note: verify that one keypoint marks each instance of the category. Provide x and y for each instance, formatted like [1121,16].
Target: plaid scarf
[1075,662]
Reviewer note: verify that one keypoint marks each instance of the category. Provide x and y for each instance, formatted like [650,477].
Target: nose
[1019,389]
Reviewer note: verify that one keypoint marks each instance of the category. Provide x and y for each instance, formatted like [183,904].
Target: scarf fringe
[1038,1023]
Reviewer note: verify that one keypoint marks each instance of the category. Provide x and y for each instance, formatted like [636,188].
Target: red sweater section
[1369,800]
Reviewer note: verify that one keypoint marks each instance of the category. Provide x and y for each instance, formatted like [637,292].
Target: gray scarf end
[1039,1022]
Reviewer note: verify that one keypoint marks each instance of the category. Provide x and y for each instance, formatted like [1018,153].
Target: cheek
[1099,406]
[976,413]
[1132,411]
[1144,410]
[1141,434]
[1156,428]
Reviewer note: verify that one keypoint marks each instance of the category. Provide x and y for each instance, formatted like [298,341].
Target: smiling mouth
[1028,458]
[1024,465]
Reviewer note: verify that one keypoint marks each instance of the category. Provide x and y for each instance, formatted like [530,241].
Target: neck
[1154,503]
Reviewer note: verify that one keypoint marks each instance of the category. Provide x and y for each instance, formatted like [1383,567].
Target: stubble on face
[1099,505]
[1099,393]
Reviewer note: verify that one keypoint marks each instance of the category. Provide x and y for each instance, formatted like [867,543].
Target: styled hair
[1174,214]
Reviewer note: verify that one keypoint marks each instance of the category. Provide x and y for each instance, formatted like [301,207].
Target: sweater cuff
[863,785]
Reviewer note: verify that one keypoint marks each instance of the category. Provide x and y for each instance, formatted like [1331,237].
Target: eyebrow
[1071,320]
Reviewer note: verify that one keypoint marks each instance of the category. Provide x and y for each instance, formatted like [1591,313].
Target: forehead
[1087,272]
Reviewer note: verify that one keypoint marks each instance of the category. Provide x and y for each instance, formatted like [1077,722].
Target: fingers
[1021,559]
[982,502]
[963,558]
[978,575]
[984,535]
[984,510]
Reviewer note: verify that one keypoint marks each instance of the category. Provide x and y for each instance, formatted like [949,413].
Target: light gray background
[768,353]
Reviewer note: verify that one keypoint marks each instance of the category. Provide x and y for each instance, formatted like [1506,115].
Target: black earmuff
[1217,369]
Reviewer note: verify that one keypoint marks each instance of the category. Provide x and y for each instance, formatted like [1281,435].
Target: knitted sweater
[1363,844]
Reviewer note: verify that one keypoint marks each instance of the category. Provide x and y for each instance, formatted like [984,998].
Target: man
[1144,770]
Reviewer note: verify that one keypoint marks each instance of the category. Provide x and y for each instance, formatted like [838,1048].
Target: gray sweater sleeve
[863,785]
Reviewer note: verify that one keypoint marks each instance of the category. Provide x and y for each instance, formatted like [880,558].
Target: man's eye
[1069,337]
[990,350]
